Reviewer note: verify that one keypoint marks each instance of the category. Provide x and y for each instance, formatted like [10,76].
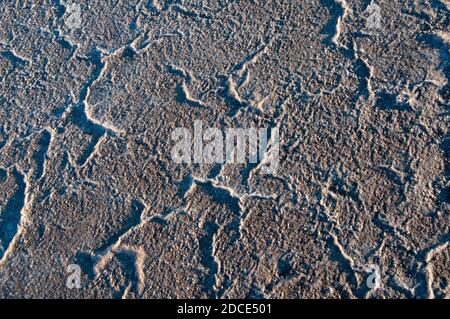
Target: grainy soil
[91,92]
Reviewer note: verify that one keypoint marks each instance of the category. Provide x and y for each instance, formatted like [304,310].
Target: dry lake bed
[224,149]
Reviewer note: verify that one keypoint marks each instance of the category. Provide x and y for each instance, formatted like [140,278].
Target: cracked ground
[86,174]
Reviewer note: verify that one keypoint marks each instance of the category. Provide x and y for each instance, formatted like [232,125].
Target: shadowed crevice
[12,213]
